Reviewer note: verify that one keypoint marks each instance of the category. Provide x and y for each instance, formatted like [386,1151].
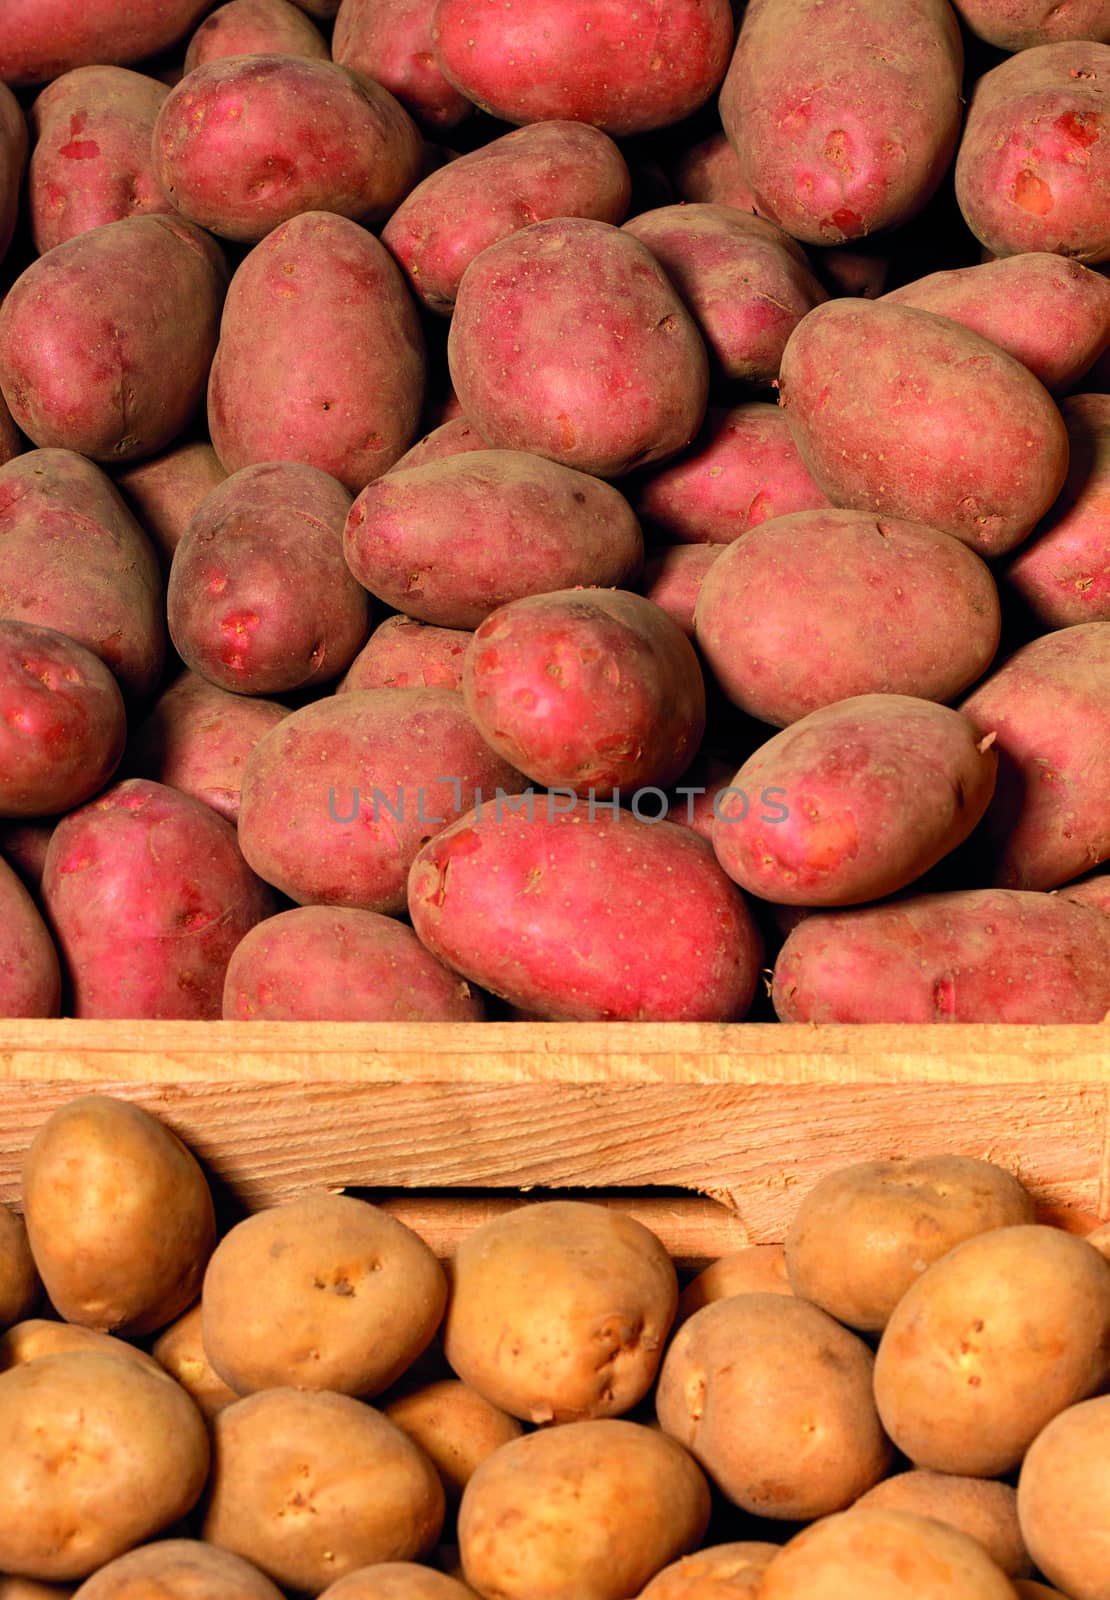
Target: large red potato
[391,41]
[609,370]
[30,981]
[13,154]
[41,39]
[255,28]
[321,357]
[844,117]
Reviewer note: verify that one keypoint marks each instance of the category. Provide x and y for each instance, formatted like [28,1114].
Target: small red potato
[587,689]
[1064,1499]
[983,1508]
[321,357]
[91,162]
[861,379]
[584,879]
[181,896]
[673,577]
[1021,24]
[255,28]
[30,980]
[551,169]
[164,491]
[178,1569]
[62,722]
[455,437]
[245,144]
[710,173]
[391,41]
[455,1426]
[614,370]
[844,120]
[44,38]
[13,155]
[335,964]
[402,653]
[180,1351]
[972,955]
[1033,169]
[133,309]
[19,1281]
[546,64]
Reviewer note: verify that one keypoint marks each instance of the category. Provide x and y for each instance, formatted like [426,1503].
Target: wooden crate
[710,1132]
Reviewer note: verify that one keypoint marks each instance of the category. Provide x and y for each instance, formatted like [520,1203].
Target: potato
[1061,576]
[860,378]
[91,162]
[178,1569]
[1020,24]
[992,1341]
[13,155]
[545,69]
[1093,892]
[887,1555]
[649,1504]
[181,896]
[311,1486]
[43,38]
[36,1337]
[773,1398]
[742,470]
[590,880]
[587,689]
[1049,820]
[23,845]
[30,980]
[455,437]
[96,1455]
[824,605]
[164,492]
[1063,1494]
[876,790]
[11,440]
[1027,1590]
[260,599]
[551,169]
[969,955]
[396,1580]
[451,541]
[709,173]
[1032,171]
[832,139]
[321,358]
[455,1426]
[28,1589]
[755,1269]
[72,558]
[179,1350]
[980,1507]
[253,28]
[1051,313]
[19,1281]
[244,144]
[672,580]
[613,371]
[335,964]
[337,800]
[391,41]
[864,1234]
[402,653]
[719,1572]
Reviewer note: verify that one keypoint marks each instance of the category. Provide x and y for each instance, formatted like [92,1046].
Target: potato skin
[28,1589]
[1026,1311]
[13,156]
[1063,1498]
[30,979]
[858,380]
[455,437]
[164,491]
[718,1572]
[844,122]
[756,1269]
[1021,24]
[11,440]
[396,1580]
[823,605]
[44,38]
[550,169]
[614,371]
[179,1350]
[295,136]
[1032,171]
[538,68]
[321,357]
[138,1455]
[697,953]
[455,1426]
[649,1505]
[178,1569]
[391,41]
[672,580]
[253,28]
[19,1281]
[402,653]
[37,1337]
[972,955]
[980,1507]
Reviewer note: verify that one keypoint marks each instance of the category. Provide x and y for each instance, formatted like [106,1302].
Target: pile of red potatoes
[590,510]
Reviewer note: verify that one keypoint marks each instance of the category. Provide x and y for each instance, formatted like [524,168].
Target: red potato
[255,28]
[973,955]
[1063,574]
[456,437]
[334,964]
[30,980]
[133,312]
[852,272]
[148,895]
[43,38]
[321,357]
[92,162]
[72,558]
[583,915]
[1049,705]
[743,469]
[24,845]
[815,607]
[1093,892]
[338,799]
[610,370]
[551,169]
[1033,170]
[391,41]
[710,173]
[449,542]
[845,118]
[587,689]
[197,739]
[62,722]
[245,144]
[545,63]
[13,155]
[164,491]
[1021,24]
[404,654]
[673,578]
[260,599]
[747,283]
[863,381]
[1050,313]
[11,440]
